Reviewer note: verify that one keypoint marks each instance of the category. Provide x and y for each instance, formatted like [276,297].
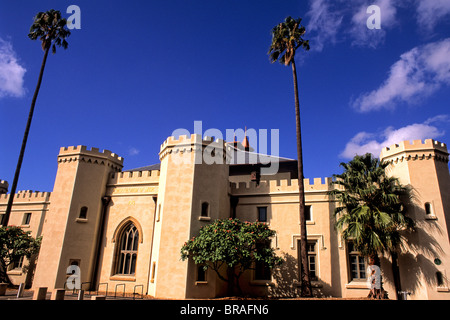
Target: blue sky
[138,70]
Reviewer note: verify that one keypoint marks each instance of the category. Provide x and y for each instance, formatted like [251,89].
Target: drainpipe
[105,202]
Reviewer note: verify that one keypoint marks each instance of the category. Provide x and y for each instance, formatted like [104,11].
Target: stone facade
[126,228]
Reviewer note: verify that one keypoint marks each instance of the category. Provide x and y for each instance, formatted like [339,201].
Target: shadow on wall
[286,278]
[416,262]
[419,263]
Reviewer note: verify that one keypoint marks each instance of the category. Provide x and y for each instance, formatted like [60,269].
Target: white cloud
[132,151]
[419,72]
[332,21]
[324,23]
[11,72]
[430,12]
[363,36]
[365,142]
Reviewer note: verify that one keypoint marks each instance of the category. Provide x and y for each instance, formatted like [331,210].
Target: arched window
[83,213]
[127,250]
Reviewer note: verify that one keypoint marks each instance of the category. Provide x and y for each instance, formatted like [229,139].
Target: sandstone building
[126,228]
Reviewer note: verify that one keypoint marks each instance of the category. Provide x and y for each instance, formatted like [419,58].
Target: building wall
[133,196]
[67,239]
[424,166]
[26,202]
[165,206]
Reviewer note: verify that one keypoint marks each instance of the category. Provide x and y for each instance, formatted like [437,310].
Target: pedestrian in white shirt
[374,279]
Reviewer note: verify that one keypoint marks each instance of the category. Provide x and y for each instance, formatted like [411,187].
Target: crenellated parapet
[94,155]
[280,186]
[28,196]
[210,147]
[134,177]
[417,150]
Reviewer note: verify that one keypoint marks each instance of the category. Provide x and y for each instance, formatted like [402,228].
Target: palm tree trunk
[306,290]
[396,274]
[5,219]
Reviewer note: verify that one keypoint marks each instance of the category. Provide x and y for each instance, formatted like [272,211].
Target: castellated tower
[193,191]
[424,166]
[72,223]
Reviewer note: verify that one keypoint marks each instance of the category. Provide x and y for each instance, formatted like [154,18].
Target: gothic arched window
[127,250]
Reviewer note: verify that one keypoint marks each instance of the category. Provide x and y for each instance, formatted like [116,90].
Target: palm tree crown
[372,212]
[286,39]
[50,28]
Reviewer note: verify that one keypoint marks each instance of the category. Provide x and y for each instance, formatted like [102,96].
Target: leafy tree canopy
[232,243]
[15,243]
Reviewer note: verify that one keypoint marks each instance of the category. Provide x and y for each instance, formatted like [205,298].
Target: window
[17,263]
[262,214]
[205,209]
[201,273]
[26,218]
[312,260]
[428,210]
[127,252]
[439,279]
[308,216]
[262,270]
[83,213]
[357,264]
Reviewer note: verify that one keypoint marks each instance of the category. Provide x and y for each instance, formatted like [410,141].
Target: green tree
[51,30]
[286,39]
[14,244]
[372,211]
[234,244]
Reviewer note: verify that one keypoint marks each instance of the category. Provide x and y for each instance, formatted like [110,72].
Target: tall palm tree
[286,39]
[51,29]
[372,212]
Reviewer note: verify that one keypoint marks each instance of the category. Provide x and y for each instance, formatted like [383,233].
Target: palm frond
[371,208]
[50,28]
[286,39]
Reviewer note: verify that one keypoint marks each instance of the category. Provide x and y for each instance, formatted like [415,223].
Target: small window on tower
[262,214]
[83,213]
[26,218]
[205,209]
[429,213]
[428,208]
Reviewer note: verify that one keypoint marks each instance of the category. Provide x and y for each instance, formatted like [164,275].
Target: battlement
[416,146]
[188,140]
[94,152]
[28,195]
[194,143]
[134,177]
[280,186]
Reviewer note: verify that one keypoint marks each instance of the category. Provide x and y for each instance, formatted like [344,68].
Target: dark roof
[240,156]
[243,161]
[146,168]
